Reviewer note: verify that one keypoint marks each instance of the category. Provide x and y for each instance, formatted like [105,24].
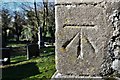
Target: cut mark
[92,47]
[79,36]
[79,47]
[78,26]
[82,3]
[67,43]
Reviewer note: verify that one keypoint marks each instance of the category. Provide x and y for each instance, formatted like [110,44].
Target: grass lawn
[15,45]
[40,68]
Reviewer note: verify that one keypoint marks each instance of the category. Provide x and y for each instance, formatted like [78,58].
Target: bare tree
[35,5]
[45,14]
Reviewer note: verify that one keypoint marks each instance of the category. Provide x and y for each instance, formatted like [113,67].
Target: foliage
[6,19]
[15,45]
[27,33]
[35,18]
[18,24]
[24,24]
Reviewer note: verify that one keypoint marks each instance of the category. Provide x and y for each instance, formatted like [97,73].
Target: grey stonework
[112,60]
[83,36]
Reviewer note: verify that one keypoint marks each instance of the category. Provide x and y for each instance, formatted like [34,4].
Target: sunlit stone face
[83,32]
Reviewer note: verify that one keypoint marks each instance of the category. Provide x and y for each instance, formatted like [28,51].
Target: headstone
[32,51]
[87,38]
[4,56]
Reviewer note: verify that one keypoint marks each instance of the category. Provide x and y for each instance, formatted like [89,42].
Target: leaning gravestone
[87,38]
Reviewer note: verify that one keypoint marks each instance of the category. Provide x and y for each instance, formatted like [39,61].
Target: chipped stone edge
[58,75]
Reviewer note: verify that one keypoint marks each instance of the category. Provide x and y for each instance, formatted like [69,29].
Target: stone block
[83,34]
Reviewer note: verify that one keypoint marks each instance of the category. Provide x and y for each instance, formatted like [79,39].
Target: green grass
[39,68]
[18,59]
[15,45]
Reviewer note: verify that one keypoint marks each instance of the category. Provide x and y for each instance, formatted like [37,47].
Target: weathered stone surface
[58,76]
[84,1]
[111,64]
[78,1]
[83,32]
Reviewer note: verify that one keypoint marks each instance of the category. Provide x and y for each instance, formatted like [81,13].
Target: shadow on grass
[17,62]
[20,71]
[47,49]
[47,55]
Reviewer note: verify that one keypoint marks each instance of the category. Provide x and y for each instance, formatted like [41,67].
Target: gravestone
[32,51]
[4,51]
[4,56]
[87,38]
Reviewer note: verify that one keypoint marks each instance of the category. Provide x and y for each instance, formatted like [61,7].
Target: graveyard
[27,50]
[20,68]
[66,39]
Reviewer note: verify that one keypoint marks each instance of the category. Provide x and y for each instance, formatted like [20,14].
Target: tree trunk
[45,14]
